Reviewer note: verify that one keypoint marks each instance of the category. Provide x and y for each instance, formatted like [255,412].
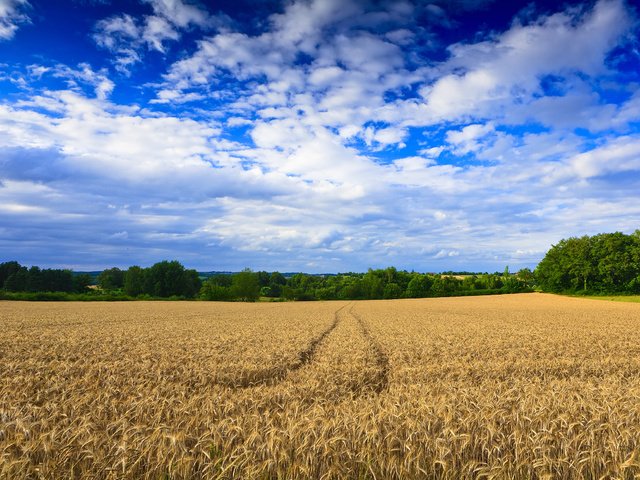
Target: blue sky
[315,135]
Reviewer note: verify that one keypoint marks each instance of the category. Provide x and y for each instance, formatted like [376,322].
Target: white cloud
[238,122]
[619,155]
[176,97]
[331,166]
[446,253]
[390,136]
[111,30]
[99,81]
[416,164]
[432,152]
[157,30]
[467,139]
[127,37]
[500,72]
[122,36]
[12,14]
[349,74]
[349,68]
[179,13]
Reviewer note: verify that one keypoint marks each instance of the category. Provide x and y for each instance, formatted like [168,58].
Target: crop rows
[522,386]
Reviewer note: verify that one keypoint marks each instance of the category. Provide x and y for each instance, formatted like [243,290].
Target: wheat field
[517,386]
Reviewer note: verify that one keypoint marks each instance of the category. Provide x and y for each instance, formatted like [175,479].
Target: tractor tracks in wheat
[345,360]
[379,381]
[275,374]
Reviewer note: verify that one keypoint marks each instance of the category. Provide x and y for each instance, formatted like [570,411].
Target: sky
[315,135]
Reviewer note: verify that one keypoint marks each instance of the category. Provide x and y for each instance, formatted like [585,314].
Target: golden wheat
[519,386]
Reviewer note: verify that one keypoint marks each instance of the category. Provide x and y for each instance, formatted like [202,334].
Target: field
[516,386]
[616,298]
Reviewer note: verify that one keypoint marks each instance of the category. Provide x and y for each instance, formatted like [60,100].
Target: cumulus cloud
[12,14]
[179,13]
[99,81]
[128,37]
[619,155]
[321,137]
[488,76]
[121,35]
[353,76]
[345,67]
[467,139]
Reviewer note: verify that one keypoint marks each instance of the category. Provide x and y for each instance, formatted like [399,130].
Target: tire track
[380,381]
[273,375]
[346,366]
[309,353]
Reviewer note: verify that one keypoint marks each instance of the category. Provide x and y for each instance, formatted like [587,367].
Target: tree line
[375,284]
[603,263]
[164,279]
[170,279]
[17,278]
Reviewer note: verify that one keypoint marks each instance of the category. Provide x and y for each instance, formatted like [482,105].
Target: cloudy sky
[315,135]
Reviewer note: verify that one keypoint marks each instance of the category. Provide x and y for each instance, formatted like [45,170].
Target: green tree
[608,262]
[551,273]
[134,281]
[169,278]
[220,279]
[7,269]
[17,281]
[351,288]
[212,290]
[470,282]
[81,282]
[56,280]
[614,253]
[34,280]
[392,290]
[526,276]
[419,286]
[276,282]
[245,286]
[263,278]
[373,284]
[445,285]
[191,283]
[111,279]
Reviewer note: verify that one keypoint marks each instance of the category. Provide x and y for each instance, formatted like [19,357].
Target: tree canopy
[603,263]
[167,279]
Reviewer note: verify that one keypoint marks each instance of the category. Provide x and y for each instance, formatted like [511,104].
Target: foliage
[604,263]
[134,281]
[168,279]
[17,278]
[391,283]
[111,279]
[245,286]
[81,282]
[419,286]
[212,291]
[162,280]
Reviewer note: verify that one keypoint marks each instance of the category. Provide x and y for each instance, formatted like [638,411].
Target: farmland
[518,386]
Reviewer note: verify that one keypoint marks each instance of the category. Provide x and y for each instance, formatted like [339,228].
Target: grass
[616,298]
[608,297]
